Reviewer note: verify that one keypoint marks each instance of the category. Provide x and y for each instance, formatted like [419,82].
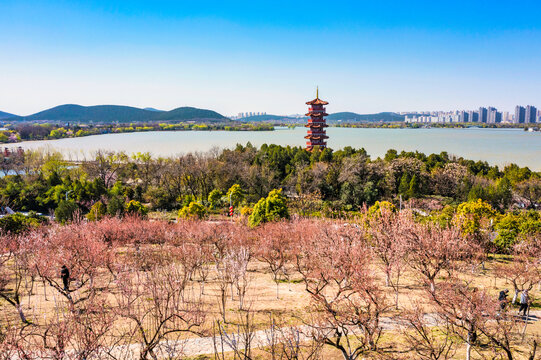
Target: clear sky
[238,56]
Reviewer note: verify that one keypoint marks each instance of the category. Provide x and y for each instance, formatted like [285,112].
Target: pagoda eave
[316,114]
[316,125]
[317,101]
[317,137]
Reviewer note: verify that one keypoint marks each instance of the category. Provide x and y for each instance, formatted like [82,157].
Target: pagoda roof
[316,114]
[317,101]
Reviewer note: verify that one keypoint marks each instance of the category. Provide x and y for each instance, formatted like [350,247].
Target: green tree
[271,208]
[115,206]
[375,210]
[326,155]
[97,211]
[413,190]
[391,155]
[508,229]
[473,217]
[404,186]
[18,223]
[135,207]
[215,198]
[194,210]
[65,211]
[236,194]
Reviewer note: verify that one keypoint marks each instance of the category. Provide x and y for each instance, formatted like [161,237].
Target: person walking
[65,275]
[524,302]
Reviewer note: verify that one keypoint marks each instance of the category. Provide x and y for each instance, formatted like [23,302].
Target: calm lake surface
[497,146]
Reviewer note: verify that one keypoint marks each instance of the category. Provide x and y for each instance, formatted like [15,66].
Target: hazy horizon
[252,57]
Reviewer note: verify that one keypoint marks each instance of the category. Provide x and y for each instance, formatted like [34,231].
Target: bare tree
[158,307]
[389,244]
[347,305]
[276,248]
[429,337]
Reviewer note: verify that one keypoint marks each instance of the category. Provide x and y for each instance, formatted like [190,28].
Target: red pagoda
[316,135]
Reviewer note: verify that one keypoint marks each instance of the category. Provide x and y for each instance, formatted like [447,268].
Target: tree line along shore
[16,132]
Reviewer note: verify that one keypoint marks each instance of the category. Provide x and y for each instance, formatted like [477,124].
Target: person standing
[503,299]
[65,275]
[524,302]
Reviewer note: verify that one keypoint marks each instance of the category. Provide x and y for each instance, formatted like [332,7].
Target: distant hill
[266,118]
[350,116]
[152,109]
[118,113]
[99,113]
[188,113]
[5,115]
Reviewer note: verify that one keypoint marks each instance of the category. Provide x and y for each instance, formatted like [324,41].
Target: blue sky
[237,56]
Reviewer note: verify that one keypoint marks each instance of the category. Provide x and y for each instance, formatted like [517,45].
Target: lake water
[497,146]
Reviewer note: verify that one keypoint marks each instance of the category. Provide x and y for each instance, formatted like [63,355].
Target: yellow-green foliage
[271,208]
[194,210]
[375,209]
[97,211]
[135,207]
[474,216]
[246,211]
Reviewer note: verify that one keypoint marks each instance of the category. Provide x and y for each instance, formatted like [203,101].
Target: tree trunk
[396,289]
[21,314]
[515,296]
[432,286]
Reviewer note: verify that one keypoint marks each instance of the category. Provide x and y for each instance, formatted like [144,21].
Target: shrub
[135,207]
[215,198]
[18,223]
[271,208]
[375,209]
[97,211]
[65,211]
[194,210]
[246,211]
[236,194]
[115,206]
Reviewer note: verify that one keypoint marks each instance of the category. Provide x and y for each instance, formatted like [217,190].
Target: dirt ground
[291,306]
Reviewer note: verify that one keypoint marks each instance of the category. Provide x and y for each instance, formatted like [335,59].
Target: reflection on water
[497,146]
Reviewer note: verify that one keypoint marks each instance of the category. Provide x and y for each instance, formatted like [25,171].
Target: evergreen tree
[404,186]
[413,190]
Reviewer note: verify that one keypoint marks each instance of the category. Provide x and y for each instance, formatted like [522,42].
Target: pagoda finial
[317,92]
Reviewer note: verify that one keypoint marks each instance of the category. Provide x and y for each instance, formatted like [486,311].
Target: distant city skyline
[491,115]
[369,57]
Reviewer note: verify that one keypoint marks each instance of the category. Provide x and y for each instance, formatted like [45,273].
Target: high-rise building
[483,114]
[492,115]
[470,115]
[463,116]
[520,114]
[531,114]
[474,116]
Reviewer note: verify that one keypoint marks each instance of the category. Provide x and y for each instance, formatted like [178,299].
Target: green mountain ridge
[119,113]
[5,115]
